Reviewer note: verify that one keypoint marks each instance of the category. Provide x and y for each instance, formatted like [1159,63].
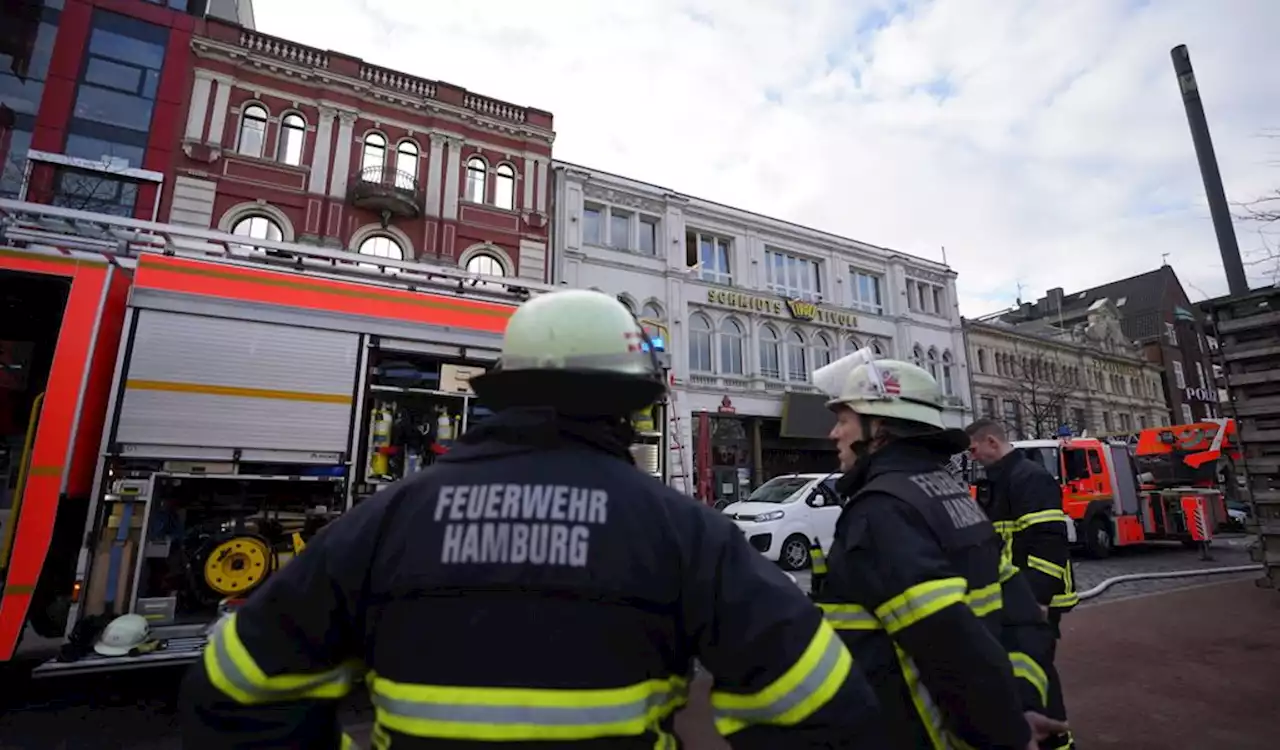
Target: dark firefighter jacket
[529,589]
[914,586]
[1024,503]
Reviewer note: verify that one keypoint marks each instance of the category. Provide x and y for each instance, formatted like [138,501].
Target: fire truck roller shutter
[199,383]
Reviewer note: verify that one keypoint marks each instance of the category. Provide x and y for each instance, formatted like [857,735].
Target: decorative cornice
[619,198]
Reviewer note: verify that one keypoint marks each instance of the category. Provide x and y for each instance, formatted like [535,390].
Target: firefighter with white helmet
[914,582]
[534,587]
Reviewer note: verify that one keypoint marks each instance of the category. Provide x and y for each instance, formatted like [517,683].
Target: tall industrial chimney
[1213,189]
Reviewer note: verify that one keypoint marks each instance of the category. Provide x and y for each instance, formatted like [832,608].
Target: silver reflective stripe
[986,600]
[899,616]
[806,688]
[533,716]
[580,361]
[849,617]
[299,685]
[927,709]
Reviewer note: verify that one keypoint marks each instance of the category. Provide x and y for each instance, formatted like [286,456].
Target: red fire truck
[180,408]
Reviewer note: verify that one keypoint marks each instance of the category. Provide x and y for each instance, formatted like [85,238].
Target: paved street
[134,710]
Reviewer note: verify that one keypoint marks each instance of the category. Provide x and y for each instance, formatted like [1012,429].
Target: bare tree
[1040,384]
[1263,213]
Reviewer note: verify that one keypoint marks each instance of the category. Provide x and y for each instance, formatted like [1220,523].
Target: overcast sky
[1042,142]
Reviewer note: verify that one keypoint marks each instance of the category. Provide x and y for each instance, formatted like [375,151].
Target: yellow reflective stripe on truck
[237,391]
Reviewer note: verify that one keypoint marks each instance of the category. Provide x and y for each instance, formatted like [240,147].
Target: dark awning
[805,415]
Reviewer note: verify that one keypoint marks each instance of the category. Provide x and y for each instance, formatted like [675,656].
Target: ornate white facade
[752,304]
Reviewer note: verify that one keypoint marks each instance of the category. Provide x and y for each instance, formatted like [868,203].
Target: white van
[788,512]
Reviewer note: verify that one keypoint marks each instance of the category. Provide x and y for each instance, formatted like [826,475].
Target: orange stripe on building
[275,288]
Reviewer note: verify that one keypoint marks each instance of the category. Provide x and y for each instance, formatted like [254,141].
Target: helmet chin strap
[862,448]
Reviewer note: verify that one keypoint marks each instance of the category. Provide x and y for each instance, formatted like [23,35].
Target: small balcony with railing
[386,191]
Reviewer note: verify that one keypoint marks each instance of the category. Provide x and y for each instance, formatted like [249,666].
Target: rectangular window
[791,275]
[988,407]
[922,297]
[865,290]
[1187,416]
[710,255]
[619,229]
[648,235]
[1179,378]
[1126,423]
[94,191]
[1106,421]
[913,302]
[29,31]
[1200,375]
[1171,333]
[115,95]
[939,305]
[1077,420]
[592,228]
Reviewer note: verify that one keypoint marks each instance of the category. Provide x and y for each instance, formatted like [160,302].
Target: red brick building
[284,141]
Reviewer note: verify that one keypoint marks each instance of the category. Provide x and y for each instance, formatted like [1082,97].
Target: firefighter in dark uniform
[1025,503]
[533,588]
[913,579]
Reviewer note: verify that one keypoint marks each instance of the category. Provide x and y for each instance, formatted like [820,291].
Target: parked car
[785,514]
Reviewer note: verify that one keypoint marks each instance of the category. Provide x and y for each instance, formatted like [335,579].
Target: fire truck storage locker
[204,388]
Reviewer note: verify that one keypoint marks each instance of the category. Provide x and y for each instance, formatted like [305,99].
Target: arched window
[475,179]
[700,344]
[731,337]
[504,187]
[486,263]
[406,165]
[877,348]
[933,363]
[627,303]
[797,358]
[374,158]
[770,353]
[851,345]
[293,130]
[258,227]
[253,130]
[982,360]
[382,246]
[823,350]
[917,356]
[651,311]
[948,374]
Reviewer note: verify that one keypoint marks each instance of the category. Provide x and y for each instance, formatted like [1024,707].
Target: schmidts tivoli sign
[809,312]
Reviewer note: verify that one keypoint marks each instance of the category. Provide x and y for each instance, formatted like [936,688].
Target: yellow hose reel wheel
[237,565]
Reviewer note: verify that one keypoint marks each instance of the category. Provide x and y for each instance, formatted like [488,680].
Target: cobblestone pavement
[1193,668]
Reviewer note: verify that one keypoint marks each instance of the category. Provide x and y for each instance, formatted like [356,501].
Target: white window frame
[1188,417]
[805,271]
[713,275]
[1200,375]
[1179,377]
[774,372]
[855,291]
[602,229]
[1171,333]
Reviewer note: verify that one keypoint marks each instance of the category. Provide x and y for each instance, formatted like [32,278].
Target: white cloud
[1041,142]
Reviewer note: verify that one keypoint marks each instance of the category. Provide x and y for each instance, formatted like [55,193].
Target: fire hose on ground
[1108,583]
[1129,577]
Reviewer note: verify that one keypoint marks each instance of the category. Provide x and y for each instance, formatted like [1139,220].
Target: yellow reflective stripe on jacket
[920,601]
[1025,522]
[804,688]
[524,714]
[1026,668]
[985,600]
[1046,567]
[1064,601]
[232,669]
[928,711]
[1007,570]
[848,616]
[348,743]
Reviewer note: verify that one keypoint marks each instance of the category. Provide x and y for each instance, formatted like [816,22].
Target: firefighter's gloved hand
[1042,727]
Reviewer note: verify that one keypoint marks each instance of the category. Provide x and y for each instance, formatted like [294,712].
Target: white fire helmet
[883,388]
[122,635]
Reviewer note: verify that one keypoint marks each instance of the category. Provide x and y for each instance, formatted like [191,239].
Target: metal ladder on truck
[675,437]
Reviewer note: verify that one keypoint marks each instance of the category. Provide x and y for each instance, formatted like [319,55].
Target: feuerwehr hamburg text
[538,524]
